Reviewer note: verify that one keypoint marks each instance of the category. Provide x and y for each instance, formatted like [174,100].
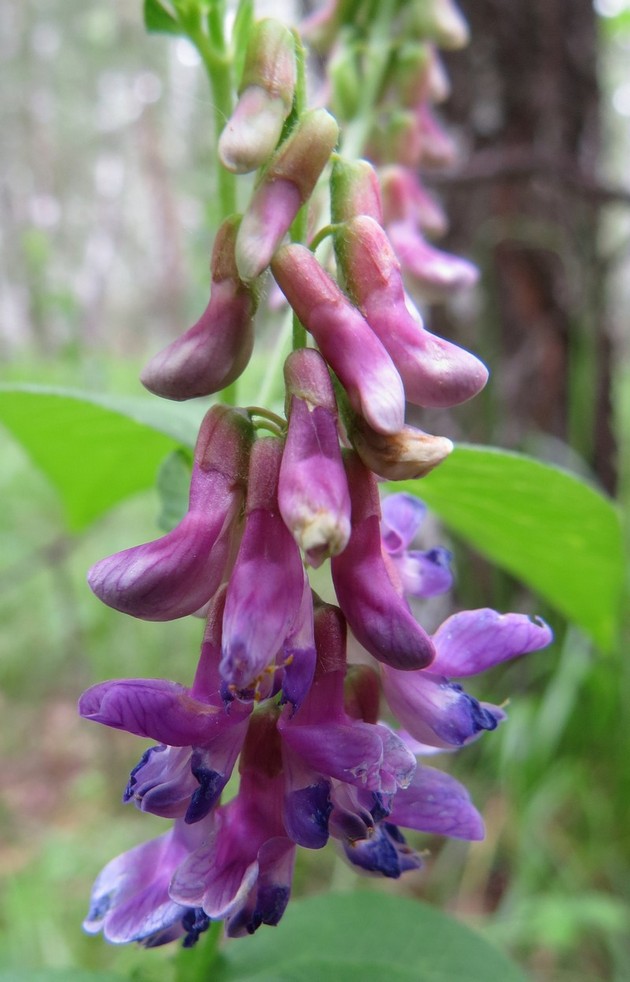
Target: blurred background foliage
[107,224]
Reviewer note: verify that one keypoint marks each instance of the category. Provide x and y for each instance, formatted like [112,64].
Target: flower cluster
[273,689]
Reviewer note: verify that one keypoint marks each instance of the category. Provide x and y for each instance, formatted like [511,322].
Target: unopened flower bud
[406,200]
[175,575]
[437,148]
[265,98]
[432,274]
[399,457]
[345,339]
[312,490]
[216,350]
[265,590]
[379,616]
[354,190]
[440,21]
[435,372]
[399,139]
[345,82]
[410,75]
[286,184]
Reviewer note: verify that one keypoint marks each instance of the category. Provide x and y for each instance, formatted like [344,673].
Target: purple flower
[376,611]
[437,711]
[345,339]
[432,273]
[130,898]
[384,852]
[299,652]
[178,573]
[435,373]
[198,739]
[265,591]
[217,348]
[422,573]
[312,489]
[406,200]
[242,871]
[329,741]
[436,803]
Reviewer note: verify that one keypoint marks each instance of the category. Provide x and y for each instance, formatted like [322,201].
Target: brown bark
[526,203]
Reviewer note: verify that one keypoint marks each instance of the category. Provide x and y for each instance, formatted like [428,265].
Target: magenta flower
[286,184]
[437,711]
[217,348]
[265,590]
[265,98]
[434,372]
[421,573]
[312,490]
[178,573]
[354,190]
[406,200]
[375,609]
[431,273]
[345,339]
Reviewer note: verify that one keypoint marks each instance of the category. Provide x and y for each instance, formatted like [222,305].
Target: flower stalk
[276,697]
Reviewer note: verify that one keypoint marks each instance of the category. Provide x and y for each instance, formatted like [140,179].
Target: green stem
[217,62]
[228,394]
[323,233]
[299,228]
[357,132]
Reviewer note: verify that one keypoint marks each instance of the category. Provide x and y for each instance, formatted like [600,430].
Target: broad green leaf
[96,450]
[58,975]
[173,483]
[549,528]
[352,937]
[158,19]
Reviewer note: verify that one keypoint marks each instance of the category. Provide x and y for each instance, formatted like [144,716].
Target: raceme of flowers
[274,696]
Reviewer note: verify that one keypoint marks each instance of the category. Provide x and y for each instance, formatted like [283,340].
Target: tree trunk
[526,205]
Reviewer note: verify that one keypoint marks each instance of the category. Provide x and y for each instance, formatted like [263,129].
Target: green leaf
[173,484]
[241,30]
[159,20]
[58,975]
[549,528]
[352,937]
[96,450]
